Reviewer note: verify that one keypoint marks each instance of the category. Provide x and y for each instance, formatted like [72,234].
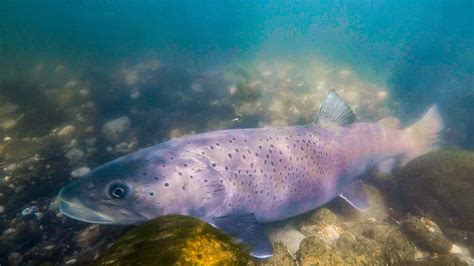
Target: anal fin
[354,194]
[247,229]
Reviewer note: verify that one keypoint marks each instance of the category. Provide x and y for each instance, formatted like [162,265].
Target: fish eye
[118,191]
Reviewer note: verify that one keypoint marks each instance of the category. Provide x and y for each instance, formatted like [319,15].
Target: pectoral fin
[248,230]
[354,194]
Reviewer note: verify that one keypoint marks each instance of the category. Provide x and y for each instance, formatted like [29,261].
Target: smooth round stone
[174,240]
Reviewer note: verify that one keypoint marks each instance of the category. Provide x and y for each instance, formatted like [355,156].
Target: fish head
[111,194]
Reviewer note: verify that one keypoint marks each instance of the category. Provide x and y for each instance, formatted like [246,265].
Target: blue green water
[422,49]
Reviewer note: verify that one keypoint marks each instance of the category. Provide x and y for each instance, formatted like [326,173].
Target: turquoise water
[423,47]
[182,67]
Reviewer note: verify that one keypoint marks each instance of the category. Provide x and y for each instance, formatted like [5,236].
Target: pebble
[2,209]
[49,247]
[80,172]
[115,129]
[9,231]
[266,73]
[9,123]
[89,236]
[91,141]
[73,143]
[66,131]
[455,249]
[11,167]
[89,129]
[75,155]
[382,95]
[135,95]
[71,261]
[232,89]
[7,138]
[20,189]
[71,84]
[29,210]
[84,92]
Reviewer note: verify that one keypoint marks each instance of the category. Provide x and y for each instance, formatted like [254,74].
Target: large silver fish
[237,179]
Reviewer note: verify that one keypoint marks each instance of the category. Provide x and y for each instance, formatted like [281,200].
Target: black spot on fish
[167,185]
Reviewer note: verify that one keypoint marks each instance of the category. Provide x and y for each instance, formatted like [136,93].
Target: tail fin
[423,136]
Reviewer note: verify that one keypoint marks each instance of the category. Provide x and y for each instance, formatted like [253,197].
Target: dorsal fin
[334,112]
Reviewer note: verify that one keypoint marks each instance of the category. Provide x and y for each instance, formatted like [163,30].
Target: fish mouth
[100,213]
[78,211]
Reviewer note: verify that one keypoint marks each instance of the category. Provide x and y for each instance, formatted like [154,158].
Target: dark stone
[426,234]
[440,186]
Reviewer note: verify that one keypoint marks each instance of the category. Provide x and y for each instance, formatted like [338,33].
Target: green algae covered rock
[174,240]
[440,185]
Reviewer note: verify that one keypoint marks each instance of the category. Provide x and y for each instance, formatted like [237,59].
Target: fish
[240,179]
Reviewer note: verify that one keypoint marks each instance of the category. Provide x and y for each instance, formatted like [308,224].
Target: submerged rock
[174,240]
[115,130]
[440,185]
[426,234]
[338,240]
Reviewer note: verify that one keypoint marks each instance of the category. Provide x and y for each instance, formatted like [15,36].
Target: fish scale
[240,178]
[270,168]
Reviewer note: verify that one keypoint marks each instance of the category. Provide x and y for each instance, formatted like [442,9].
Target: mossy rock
[440,185]
[174,240]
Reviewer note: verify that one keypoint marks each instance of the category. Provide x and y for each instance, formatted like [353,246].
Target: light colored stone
[66,131]
[9,123]
[382,95]
[135,95]
[84,92]
[71,261]
[2,209]
[10,231]
[455,249]
[11,167]
[73,143]
[75,155]
[115,129]
[71,84]
[80,172]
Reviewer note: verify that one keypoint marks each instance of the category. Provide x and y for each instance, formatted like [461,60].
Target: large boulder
[440,185]
[174,240]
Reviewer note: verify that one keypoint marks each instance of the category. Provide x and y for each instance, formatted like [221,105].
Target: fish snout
[72,206]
